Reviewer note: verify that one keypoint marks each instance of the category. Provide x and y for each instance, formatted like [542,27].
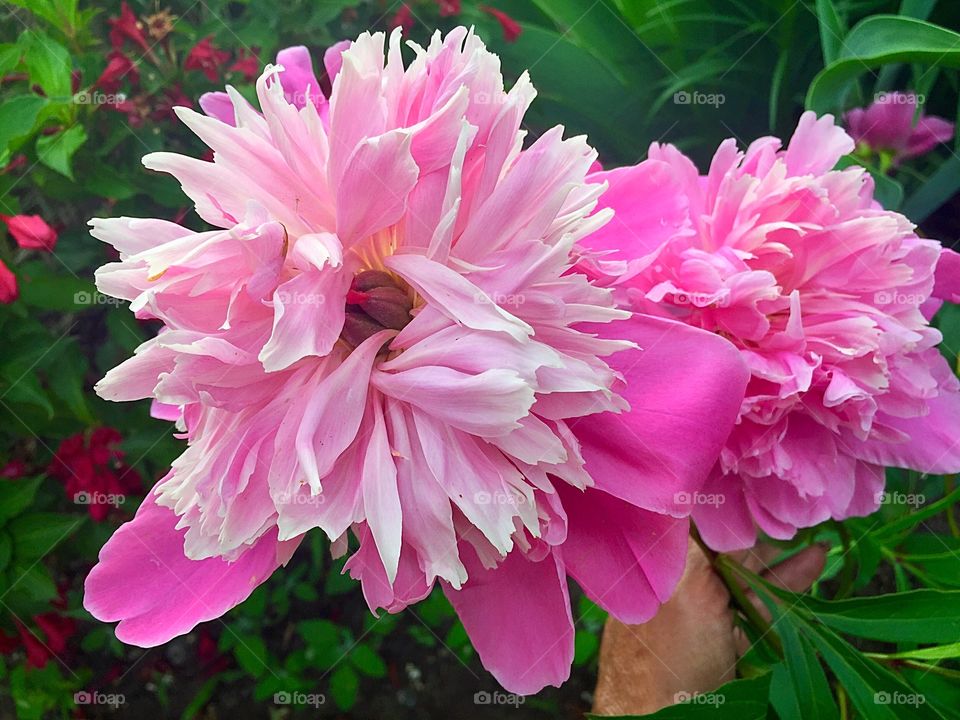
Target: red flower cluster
[94,473]
[207,58]
[511,28]
[404,17]
[127,27]
[54,631]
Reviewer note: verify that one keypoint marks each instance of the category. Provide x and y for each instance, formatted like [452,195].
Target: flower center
[376,301]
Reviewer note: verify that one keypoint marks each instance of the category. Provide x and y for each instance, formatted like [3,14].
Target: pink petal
[335,410]
[685,387]
[627,560]
[726,524]
[381,500]
[518,618]
[144,580]
[372,193]
[650,208]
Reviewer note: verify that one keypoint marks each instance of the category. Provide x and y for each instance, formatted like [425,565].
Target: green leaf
[923,616]
[806,694]
[23,388]
[65,377]
[832,30]
[939,652]
[366,660]
[935,191]
[48,64]
[6,549]
[56,151]
[344,683]
[250,653]
[319,633]
[876,692]
[585,644]
[919,9]
[9,57]
[200,700]
[36,534]
[16,496]
[879,40]
[65,293]
[735,700]
[18,116]
[33,582]
[915,517]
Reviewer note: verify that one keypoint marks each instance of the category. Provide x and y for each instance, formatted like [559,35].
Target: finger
[757,558]
[798,572]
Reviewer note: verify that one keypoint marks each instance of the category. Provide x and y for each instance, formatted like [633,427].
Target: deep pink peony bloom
[822,291]
[887,126]
[386,336]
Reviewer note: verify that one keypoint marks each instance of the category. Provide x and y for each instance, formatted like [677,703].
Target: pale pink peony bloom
[821,289]
[887,125]
[386,335]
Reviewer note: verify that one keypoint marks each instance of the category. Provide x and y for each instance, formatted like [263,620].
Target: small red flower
[31,231]
[18,162]
[207,58]
[93,472]
[8,285]
[14,469]
[49,639]
[119,68]
[246,65]
[127,27]
[511,28]
[448,7]
[403,19]
[171,98]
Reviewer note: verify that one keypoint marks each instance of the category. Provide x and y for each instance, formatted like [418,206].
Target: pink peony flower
[821,289]
[385,336]
[887,126]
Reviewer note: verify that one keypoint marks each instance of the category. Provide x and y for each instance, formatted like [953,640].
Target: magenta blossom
[385,335]
[821,289]
[887,126]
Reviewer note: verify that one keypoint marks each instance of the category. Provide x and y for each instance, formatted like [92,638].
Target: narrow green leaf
[832,30]
[938,188]
[939,652]
[876,692]
[808,688]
